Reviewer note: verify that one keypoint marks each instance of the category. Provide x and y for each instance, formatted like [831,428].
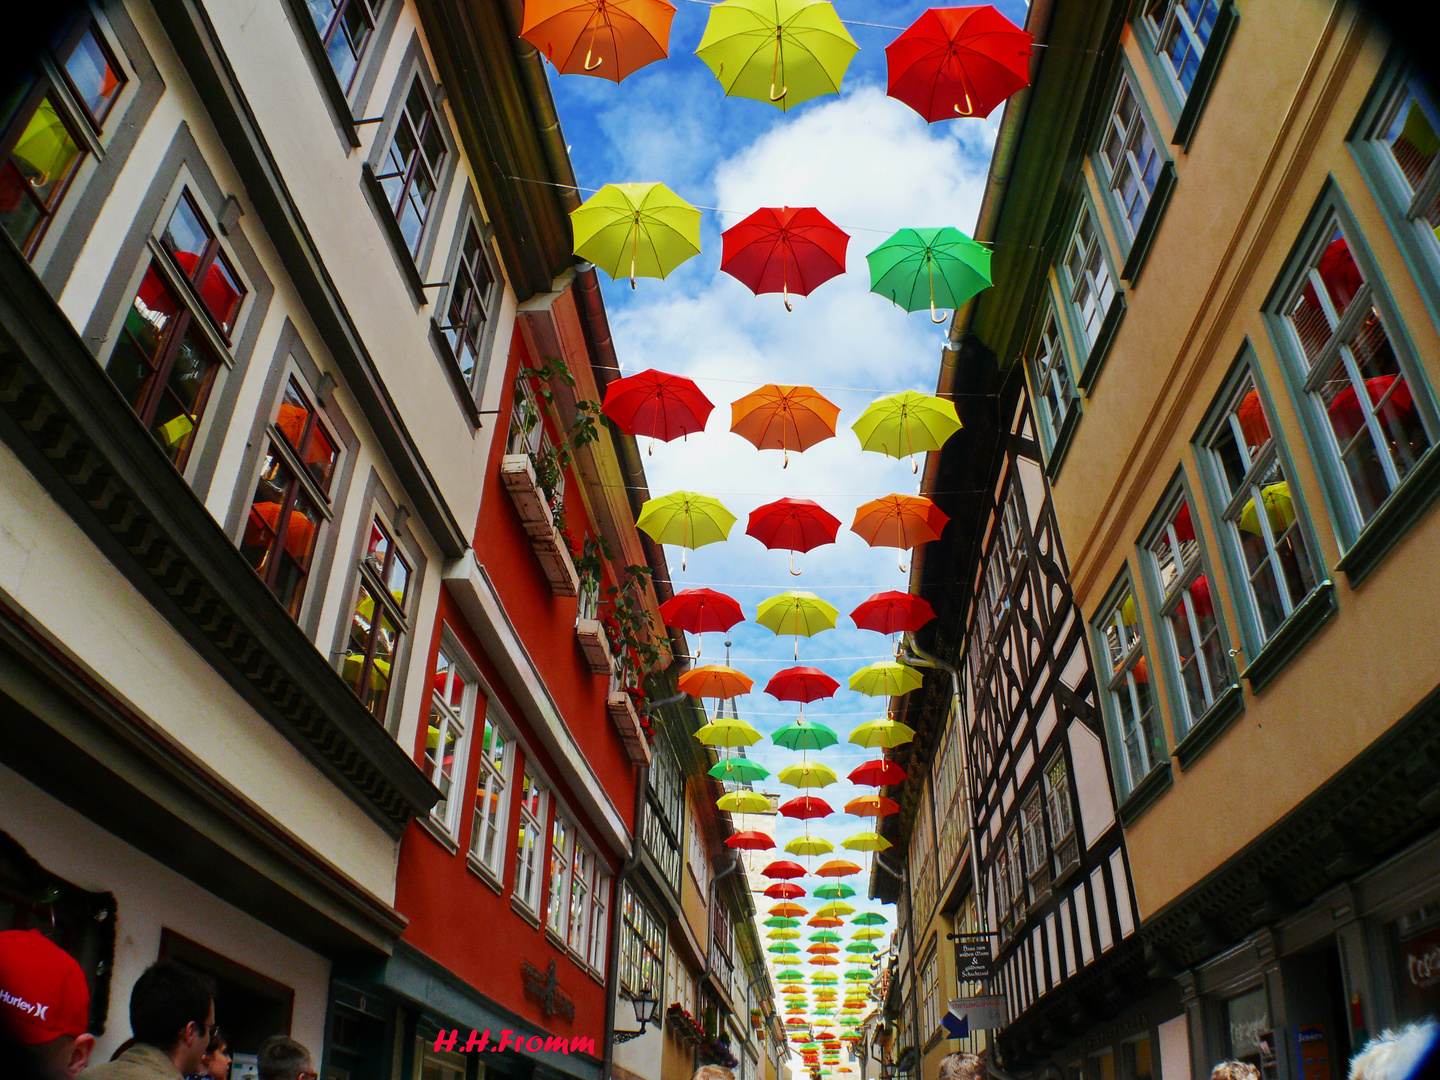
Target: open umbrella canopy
[958,61]
[784,249]
[1279,509]
[807,774]
[905,424]
[796,612]
[780,922]
[782,934]
[826,936]
[863,947]
[835,890]
[836,907]
[893,612]
[701,611]
[887,678]
[869,806]
[781,51]
[934,268]
[784,869]
[886,734]
[784,418]
[685,518]
[838,868]
[809,845]
[879,773]
[738,770]
[869,918]
[783,947]
[824,979]
[802,684]
[789,976]
[716,681]
[858,975]
[805,735]
[866,841]
[750,840]
[657,405]
[636,230]
[727,732]
[823,920]
[784,890]
[806,807]
[608,39]
[899,521]
[821,948]
[824,961]
[869,933]
[788,909]
[743,802]
[793,525]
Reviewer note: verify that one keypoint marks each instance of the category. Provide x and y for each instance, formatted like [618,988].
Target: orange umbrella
[837,868]
[787,909]
[823,920]
[825,961]
[715,681]
[784,418]
[823,947]
[618,36]
[872,806]
[899,521]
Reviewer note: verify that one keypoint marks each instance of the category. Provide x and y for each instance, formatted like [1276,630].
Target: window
[1050,375]
[452,707]
[345,28]
[698,857]
[1181,29]
[471,297]
[1037,854]
[1091,289]
[665,822]
[929,995]
[412,164]
[642,943]
[1058,810]
[193,245]
[43,140]
[1131,160]
[582,882]
[291,501]
[378,622]
[1245,463]
[1408,131]
[562,840]
[492,786]
[530,839]
[1373,431]
[1015,849]
[1128,691]
[599,919]
[1188,624]
[527,429]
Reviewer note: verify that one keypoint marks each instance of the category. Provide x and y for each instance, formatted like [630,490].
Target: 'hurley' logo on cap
[29,1008]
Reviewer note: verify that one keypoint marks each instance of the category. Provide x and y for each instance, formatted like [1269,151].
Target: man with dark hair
[44,1007]
[282,1058]
[172,1016]
[961,1066]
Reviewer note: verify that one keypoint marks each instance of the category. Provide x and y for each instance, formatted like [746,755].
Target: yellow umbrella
[1279,509]
[883,733]
[636,230]
[685,518]
[888,678]
[781,51]
[743,802]
[802,614]
[807,774]
[728,732]
[866,841]
[783,935]
[869,933]
[905,424]
[809,845]
[836,907]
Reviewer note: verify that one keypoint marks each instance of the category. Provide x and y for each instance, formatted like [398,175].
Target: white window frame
[1425,195]
[1121,647]
[600,900]
[562,850]
[531,841]
[446,813]
[1060,814]
[1085,291]
[1132,136]
[1032,839]
[492,791]
[1050,373]
[697,857]
[1175,21]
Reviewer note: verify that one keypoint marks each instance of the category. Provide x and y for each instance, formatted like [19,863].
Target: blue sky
[870,164]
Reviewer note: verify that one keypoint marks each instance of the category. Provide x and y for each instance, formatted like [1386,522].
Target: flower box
[517,473]
[622,712]
[555,560]
[594,644]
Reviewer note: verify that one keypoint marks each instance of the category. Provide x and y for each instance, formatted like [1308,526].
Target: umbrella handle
[930,273]
[914,464]
[969,109]
[796,573]
[589,66]
[899,558]
[777,97]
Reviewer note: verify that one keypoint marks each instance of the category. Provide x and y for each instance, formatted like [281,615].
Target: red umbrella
[749,840]
[700,611]
[879,773]
[784,868]
[802,684]
[783,890]
[893,612]
[960,61]
[1252,420]
[1345,413]
[797,524]
[806,807]
[656,404]
[784,250]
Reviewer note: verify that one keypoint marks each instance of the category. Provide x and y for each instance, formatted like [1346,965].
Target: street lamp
[647,1007]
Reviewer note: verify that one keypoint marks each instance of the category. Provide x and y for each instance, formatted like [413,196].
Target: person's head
[173,1009]
[44,1004]
[1235,1070]
[713,1072]
[216,1062]
[960,1066]
[282,1058]
[1411,1053]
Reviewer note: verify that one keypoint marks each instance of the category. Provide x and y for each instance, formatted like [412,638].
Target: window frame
[636,918]
[1186,107]
[1090,352]
[1110,177]
[562,851]
[1055,430]
[1163,601]
[1362,543]
[471,387]
[534,818]
[340,99]
[365,576]
[500,798]
[464,718]
[1056,797]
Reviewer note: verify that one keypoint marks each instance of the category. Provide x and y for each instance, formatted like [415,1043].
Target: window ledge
[1205,73]
[1063,439]
[518,906]
[1145,793]
[484,873]
[1064,876]
[404,261]
[1149,225]
[1406,505]
[1209,727]
[438,834]
[1101,349]
[1292,636]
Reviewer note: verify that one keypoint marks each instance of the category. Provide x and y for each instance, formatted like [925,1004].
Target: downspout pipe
[612,952]
[918,657]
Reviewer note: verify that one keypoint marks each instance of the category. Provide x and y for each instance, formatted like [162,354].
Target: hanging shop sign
[972,956]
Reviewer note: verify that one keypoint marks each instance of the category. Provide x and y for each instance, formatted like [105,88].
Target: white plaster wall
[150,897]
[1175,1049]
[53,571]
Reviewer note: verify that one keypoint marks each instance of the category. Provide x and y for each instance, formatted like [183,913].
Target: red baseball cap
[43,993]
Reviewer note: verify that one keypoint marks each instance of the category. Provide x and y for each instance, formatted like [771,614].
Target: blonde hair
[1235,1070]
[713,1072]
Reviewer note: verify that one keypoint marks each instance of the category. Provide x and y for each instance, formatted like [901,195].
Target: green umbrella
[785,947]
[858,975]
[869,918]
[919,268]
[788,976]
[855,947]
[781,51]
[826,935]
[636,230]
[738,770]
[805,735]
[685,518]
[779,922]
[835,890]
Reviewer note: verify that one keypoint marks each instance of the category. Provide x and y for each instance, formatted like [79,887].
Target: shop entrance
[249,1007]
[1318,1033]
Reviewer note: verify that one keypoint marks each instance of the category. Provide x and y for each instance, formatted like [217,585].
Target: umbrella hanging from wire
[619,36]
[886,734]
[685,518]
[784,418]
[656,404]
[886,678]
[698,611]
[920,268]
[636,230]
[892,612]
[795,524]
[781,51]
[880,773]
[958,61]
[802,614]
[899,521]
[905,424]
[738,770]
[784,249]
